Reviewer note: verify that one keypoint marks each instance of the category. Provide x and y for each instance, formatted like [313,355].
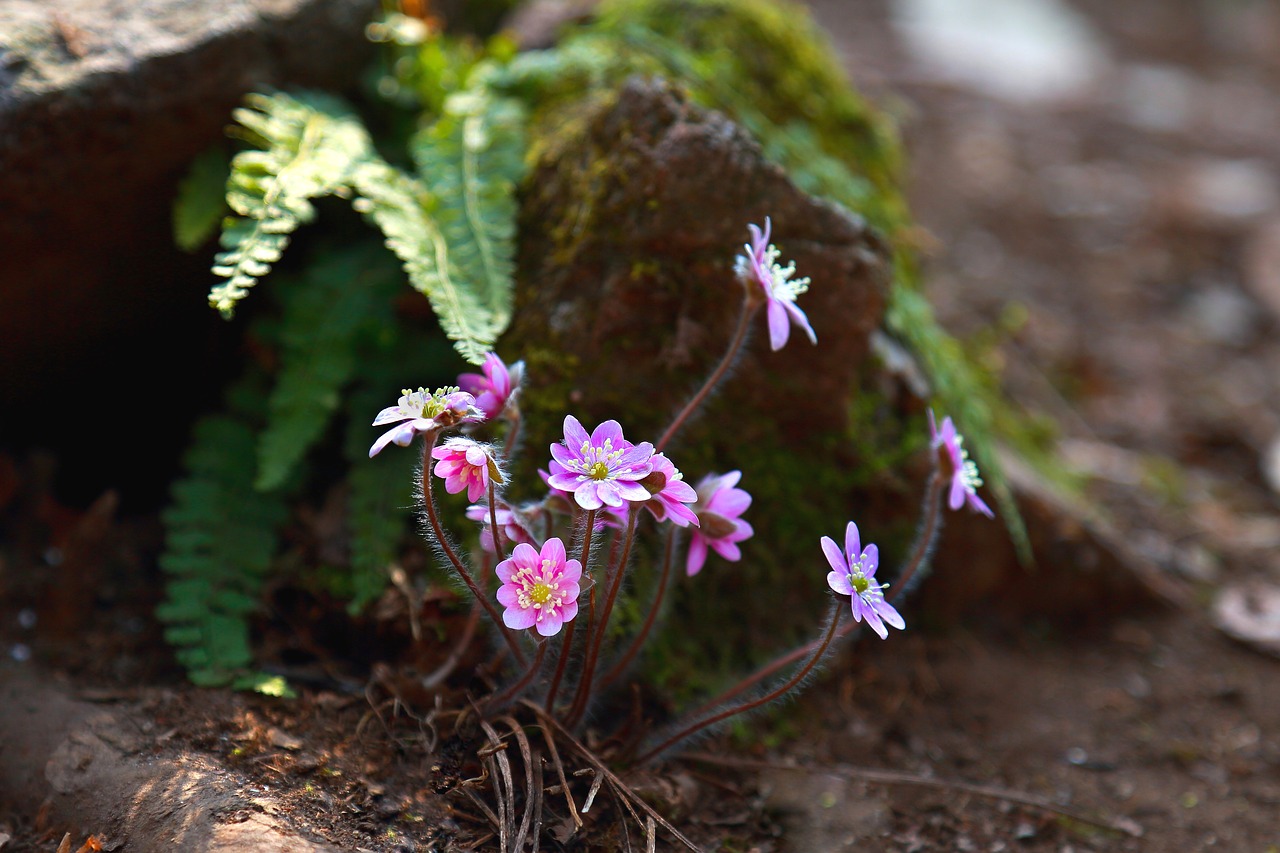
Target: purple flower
[539,589]
[668,502]
[719,527]
[465,464]
[760,265]
[517,525]
[424,412]
[954,462]
[854,575]
[495,387]
[601,468]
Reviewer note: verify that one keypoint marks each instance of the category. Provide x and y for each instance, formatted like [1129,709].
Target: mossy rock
[628,298]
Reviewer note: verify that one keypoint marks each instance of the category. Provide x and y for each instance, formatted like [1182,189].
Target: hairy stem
[749,308]
[499,700]
[751,705]
[596,636]
[638,641]
[493,520]
[566,648]
[429,499]
[926,536]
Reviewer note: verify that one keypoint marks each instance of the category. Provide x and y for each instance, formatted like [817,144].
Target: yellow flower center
[540,593]
[598,471]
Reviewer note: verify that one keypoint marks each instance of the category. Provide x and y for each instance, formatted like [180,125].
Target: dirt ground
[1124,241]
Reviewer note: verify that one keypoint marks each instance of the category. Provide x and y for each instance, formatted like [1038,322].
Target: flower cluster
[597,481]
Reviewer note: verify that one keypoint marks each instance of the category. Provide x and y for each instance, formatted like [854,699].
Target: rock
[627,298]
[102,107]
[629,231]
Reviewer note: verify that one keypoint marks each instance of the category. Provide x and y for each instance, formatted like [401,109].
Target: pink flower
[719,527]
[760,265]
[672,495]
[495,387]
[539,590]
[954,462]
[465,464]
[424,412]
[854,575]
[517,525]
[601,468]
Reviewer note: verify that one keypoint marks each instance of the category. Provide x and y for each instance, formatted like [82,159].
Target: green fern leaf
[220,541]
[400,206]
[309,144]
[472,159]
[324,314]
[201,201]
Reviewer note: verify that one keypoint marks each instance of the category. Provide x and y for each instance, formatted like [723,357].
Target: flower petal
[835,557]
[852,542]
[574,435]
[610,431]
[801,320]
[697,555]
[553,550]
[957,492]
[587,494]
[889,614]
[550,623]
[518,619]
[779,328]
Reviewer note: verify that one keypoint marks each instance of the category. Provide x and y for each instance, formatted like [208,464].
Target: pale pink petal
[517,619]
[550,623]
[553,550]
[779,328]
[839,581]
[798,317]
[587,494]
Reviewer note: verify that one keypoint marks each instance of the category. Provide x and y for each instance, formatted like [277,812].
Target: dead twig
[601,768]
[533,793]
[1123,825]
[564,782]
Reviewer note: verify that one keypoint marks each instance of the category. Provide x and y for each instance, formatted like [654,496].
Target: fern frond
[309,145]
[472,158]
[220,541]
[400,206]
[323,317]
[201,202]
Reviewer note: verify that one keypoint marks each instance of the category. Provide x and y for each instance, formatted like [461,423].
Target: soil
[1131,226]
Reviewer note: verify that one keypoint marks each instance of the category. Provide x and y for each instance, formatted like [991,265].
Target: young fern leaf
[400,206]
[472,159]
[310,143]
